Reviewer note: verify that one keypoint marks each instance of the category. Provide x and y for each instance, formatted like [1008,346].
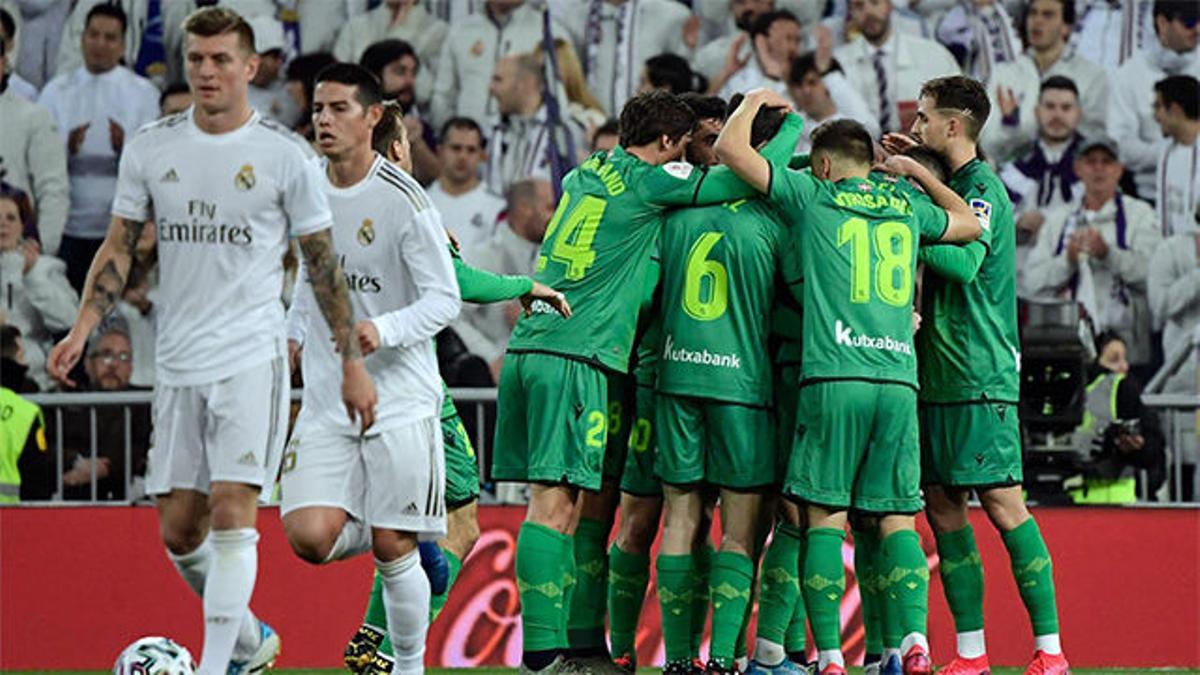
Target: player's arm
[105,281]
[962,223]
[959,264]
[483,287]
[733,145]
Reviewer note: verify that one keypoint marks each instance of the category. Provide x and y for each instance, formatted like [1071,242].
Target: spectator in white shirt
[268,90]
[485,329]
[40,28]
[1097,251]
[33,160]
[1110,32]
[1131,99]
[16,83]
[736,45]
[1177,111]
[980,34]
[401,19]
[775,37]
[398,68]
[1048,25]
[96,107]
[887,66]
[468,210]
[824,97]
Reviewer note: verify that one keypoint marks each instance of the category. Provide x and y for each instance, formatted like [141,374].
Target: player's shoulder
[163,128]
[276,133]
[401,186]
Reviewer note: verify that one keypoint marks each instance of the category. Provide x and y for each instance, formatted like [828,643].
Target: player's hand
[116,135]
[64,356]
[30,250]
[75,138]
[294,352]
[916,321]
[900,165]
[768,98]
[358,392]
[548,295]
[898,144]
[368,336]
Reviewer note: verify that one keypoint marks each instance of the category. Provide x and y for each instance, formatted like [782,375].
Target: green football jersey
[858,249]
[719,266]
[597,244]
[968,344]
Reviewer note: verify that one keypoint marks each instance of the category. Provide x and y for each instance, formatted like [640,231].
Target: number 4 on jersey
[573,245]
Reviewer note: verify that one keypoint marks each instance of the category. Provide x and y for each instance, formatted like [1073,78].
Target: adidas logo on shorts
[248,459]
[411,509]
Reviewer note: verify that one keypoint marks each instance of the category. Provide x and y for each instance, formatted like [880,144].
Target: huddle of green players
[777,356]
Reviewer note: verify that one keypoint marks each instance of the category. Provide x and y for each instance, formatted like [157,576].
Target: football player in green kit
[970,384]
[858,445]
[370,650]
[552,410]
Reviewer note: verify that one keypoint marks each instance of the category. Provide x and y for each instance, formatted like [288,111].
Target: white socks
[1048,643]
[227,591]
[355,538]
[768,653]
[406,599]
[828,656]
[193,567]
[971,644]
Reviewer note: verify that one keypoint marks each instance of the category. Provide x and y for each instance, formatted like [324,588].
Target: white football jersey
[396,259]
[224,206]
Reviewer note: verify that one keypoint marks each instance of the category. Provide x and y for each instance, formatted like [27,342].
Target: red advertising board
[78,584]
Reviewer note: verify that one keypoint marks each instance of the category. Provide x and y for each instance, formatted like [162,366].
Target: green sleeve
[959,264]
[791,191]
[799,162]
[479,286]
[932,220]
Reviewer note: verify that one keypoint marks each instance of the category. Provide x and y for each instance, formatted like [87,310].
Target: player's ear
[252,65]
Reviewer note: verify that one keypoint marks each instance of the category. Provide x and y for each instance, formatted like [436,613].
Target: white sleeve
[132,199]
[1123,122]
[850,103]
[46,159]
[1046,272]
[1172,290]
[423,252]
[47,289]
[1132,265]
[298,313]
[445,86]
[304,199]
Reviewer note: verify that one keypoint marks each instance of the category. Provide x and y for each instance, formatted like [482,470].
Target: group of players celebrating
[739,327]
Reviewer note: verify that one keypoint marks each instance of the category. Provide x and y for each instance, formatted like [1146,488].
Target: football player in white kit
[344,492]
[226,189]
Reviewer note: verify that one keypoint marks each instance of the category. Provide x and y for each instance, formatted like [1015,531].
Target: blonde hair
[213,21]
[570,72]
[389,129]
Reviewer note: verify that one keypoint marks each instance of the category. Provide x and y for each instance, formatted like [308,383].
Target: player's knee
[311,539]
[1005,507]
[464,532]
[638,527]
[182,538]
[391,545]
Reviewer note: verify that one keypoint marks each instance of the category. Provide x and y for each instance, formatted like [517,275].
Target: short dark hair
[1059,82]
[463,124]
[112,11]
[212,21]
[672,72]
[963,95]
[930,159]
[1068,15]
[380,54]
[367,89]
[652,115]
[9,334]
[1176,9]
[8,24]
[1181,90]
[762,25]
[845,139]
[171,90]
[766,122]
[706,107]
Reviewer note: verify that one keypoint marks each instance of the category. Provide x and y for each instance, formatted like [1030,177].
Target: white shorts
[394,480]
[232,430]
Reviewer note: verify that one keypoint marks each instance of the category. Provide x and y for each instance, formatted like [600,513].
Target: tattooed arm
[105,281]
[333,299]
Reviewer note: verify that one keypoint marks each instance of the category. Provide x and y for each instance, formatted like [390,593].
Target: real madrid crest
[244,180]
[366,233]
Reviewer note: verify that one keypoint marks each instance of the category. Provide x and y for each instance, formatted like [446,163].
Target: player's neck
[1046,58]
[837,175]
[647,153]
[1187,133]
[959,155]
[351,168]
[456,188]
[224,121]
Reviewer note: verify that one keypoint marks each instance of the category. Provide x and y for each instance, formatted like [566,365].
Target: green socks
[780,587]
[905,573]
[702,562]
[567,568]
[962,578]
[823,585]
[732,576]
[675,590]
[796,639]
[1034,575]
[585,627]
[541,583]
[628,576]
[866,555]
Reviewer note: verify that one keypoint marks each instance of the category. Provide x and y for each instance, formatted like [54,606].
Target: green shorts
[970,445]
[551,421]
[638,478]
[620,421]
[462,470]
[724,444]
[857,447]
[787,398]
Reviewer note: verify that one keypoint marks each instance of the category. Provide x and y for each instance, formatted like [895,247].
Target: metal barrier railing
[1175,407]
